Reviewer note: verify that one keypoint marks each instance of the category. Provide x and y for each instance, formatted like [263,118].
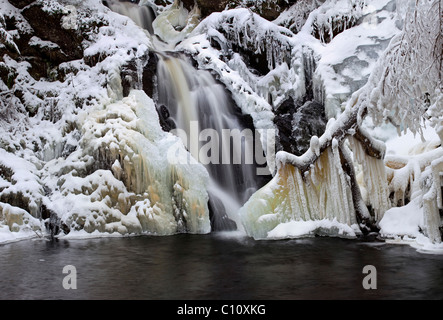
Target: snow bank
[298,229]
[403,221]
[347,60]
[405,225]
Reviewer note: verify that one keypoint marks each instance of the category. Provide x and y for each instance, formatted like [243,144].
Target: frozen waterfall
[202,113]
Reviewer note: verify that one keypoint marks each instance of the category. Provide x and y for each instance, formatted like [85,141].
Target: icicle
[323,194]
[375,179]
[432,201]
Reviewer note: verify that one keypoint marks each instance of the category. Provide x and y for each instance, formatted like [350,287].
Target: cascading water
[142,15]
[191,100]
[215,135]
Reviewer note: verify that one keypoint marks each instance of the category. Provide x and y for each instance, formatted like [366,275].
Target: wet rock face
[297,124]
[217,214]
[283,122]
[308,121]
[129,75]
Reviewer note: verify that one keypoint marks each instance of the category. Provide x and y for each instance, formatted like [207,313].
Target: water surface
[216,267]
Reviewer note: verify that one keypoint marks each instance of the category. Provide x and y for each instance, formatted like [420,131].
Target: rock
[217,214]
[20,3]
[53,223]
[129,75]
[308,121]
[269,10]
[6,173]
[149,73]
[207,6]
[297,124]
[48,26]
[283,121]
[50,44]
[166,122]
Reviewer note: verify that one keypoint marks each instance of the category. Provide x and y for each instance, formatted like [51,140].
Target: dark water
[216,267]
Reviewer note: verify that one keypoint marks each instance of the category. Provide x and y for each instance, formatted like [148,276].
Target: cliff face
[40,39]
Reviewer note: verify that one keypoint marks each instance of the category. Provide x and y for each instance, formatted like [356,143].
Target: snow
[286,52]
[347,61]
[403,225]
[294,18]
[298,229]
[405,221]
[408,143]
[17,224]
[262,35]
[61,175]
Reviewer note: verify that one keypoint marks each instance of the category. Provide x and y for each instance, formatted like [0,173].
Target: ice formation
[374,179]
[142,192]
[321,194]
[173,24]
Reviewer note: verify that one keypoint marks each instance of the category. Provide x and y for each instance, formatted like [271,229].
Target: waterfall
[142,15]
[213,132]
[213,129]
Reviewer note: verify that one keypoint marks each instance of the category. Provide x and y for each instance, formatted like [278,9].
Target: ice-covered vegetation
[353,89]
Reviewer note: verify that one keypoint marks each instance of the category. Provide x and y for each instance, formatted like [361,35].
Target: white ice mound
[403,221]
[16,223]
[20,198]
[130,185]
[175,23]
